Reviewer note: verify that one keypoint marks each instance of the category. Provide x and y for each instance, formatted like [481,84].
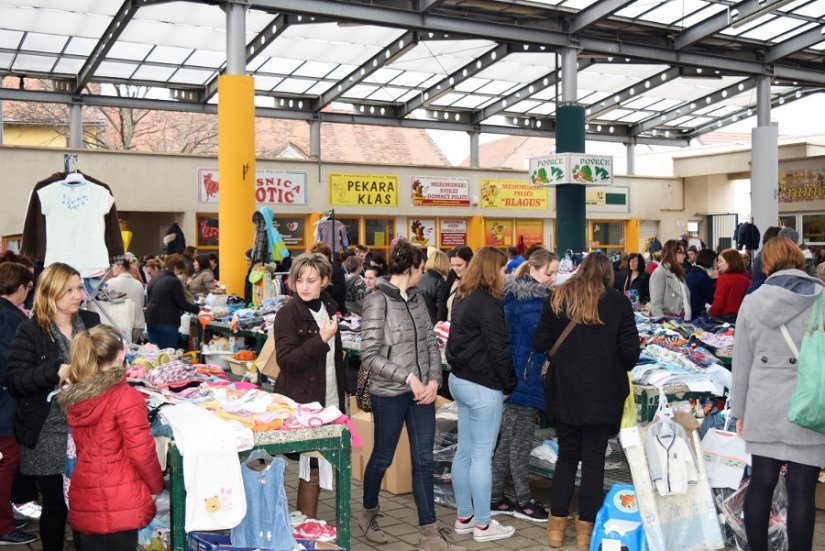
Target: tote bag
[807,405]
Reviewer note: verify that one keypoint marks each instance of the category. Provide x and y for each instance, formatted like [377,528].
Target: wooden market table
[332,441]
[225,329]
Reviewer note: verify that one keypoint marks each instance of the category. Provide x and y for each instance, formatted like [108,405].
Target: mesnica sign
[571,168]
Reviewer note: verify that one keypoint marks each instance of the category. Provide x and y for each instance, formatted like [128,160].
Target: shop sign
[207,230]
[363,190]
[422,232]
[530,232]
[607,199]
[291,229]
[439,191]
[571,168]
[272,187]
[453,233]
[802,185]
[513,194]
[498,233]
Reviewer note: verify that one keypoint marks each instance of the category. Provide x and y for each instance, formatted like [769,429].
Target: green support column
[570,198]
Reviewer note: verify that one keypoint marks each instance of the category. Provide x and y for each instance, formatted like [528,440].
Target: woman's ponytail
[84,363]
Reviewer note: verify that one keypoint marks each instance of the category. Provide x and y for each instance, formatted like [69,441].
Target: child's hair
[92,350]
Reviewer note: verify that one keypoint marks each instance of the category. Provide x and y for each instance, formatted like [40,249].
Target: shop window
[378,234]
[352,224]
[292,229]
[608,235]
[12,243]
[788,221]
[206,231]
[813,228]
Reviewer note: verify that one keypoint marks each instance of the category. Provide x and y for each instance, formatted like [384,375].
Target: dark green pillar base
[570,198]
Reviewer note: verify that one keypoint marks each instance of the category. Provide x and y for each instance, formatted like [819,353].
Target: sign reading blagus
[363,190]
[512,194]
[571,168]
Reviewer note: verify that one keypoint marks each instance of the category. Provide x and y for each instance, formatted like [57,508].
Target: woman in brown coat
[309,353]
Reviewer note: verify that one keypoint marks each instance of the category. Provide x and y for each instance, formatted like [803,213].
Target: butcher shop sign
[272,187]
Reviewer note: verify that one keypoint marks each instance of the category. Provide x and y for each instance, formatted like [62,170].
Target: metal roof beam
[795,44]
[449,82]
[257,45]
[643,49]
[295,114]
[116,27]
[689,107]
[750,111]
[596,12]
[593,111]
[738,13]
[429,5]
[387,55]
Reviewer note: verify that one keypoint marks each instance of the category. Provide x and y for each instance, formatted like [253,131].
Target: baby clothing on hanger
[266,524]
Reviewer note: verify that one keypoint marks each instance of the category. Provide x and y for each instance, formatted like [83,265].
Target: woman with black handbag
[399,350]
[585,386]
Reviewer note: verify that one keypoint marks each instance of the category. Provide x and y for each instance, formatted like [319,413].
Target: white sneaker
[30,510]
[493,532]
[464,527]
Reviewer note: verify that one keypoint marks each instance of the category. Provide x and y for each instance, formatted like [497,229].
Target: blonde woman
[434,285]
[586,387]
[38,361]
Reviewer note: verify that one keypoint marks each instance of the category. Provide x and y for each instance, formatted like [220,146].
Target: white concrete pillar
[764,161]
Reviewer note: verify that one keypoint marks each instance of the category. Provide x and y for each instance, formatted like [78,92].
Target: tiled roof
[512,152]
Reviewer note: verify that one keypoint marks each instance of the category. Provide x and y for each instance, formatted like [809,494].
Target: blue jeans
[389,414]
[164,336]
[479,418]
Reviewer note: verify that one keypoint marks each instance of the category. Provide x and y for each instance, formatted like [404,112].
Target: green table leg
[342,461]
[177,493]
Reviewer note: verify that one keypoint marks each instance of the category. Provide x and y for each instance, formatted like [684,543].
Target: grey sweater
[764,368]
[397,339]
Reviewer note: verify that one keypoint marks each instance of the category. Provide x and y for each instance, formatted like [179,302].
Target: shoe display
[17,537]
[493,532]
[30,510]
[503,507]
[533,511]
[464,527]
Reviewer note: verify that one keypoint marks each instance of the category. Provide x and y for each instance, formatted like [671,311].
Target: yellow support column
[631,236]
[475,232]
[236,170]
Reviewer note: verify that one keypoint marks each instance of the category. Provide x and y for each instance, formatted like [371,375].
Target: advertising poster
[272,187]
[513,194]
[207,230]
[498,233]
[291,229]
[607,199]
[434,191]
[453,233]
[422,232]
[363,190]
[530,231]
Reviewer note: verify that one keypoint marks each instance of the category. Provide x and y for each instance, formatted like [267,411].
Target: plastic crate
[212,541]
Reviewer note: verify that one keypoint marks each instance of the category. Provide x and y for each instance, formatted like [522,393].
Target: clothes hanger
[260,455]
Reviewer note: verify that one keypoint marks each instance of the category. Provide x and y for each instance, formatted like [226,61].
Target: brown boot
[369,525]
[308,492]
[583,531]
[433,539]
[555,530]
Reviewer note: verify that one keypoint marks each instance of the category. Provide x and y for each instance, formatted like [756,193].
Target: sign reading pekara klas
[275,187]
[363,190]
[438,191]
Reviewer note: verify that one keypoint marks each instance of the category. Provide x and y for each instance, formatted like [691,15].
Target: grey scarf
[62,342]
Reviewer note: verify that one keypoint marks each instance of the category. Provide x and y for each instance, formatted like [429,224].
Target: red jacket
[730,292]
[117,469]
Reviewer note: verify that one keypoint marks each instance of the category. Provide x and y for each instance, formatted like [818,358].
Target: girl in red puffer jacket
[117,473]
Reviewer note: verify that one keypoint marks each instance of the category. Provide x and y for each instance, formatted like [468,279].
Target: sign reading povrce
[440,191]
[272,187]
[571,168]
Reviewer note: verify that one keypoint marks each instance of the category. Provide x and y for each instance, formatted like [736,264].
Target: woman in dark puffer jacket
[398,346]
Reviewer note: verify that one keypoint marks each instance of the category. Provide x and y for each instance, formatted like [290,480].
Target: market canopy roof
[650,71]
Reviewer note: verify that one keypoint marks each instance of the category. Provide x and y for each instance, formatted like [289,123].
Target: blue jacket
[701,287]
[523,302]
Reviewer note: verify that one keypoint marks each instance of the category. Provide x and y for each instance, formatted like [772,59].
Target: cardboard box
[398,478]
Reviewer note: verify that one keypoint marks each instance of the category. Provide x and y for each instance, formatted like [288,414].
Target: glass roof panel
[360,91]
[636,8]
[411,78]
[614,115]
[544,108]
[68,66]
[153,72]
[671,11]
[447,99]
[39,42]
[496,88]
[207,58]
[814,9]
[5,59]
[711,9]
[772,29]
[471,102]
[280,65]
[314,69]
[266,83]
[10,39]
[164,33]
[169,54]
[641,102]
[820,46]
[129,50]
[471,84]
[793,5]
[634,117]
[38,63]
[798,30]
[388,94]
[294,86]
[319,87]
[664,105]
[70,23]
[514,72]
[340,72]
[745,27]
[382,75]
[114,69]
[184,13]
[192,76]
[578,4]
